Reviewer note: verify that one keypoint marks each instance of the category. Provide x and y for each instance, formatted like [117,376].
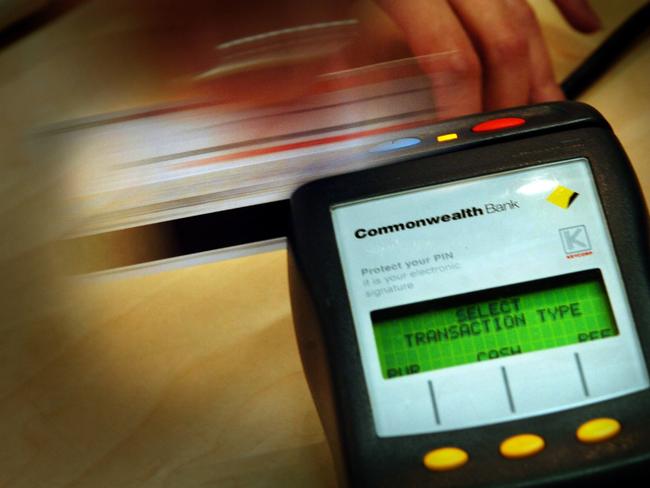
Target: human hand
[483,54]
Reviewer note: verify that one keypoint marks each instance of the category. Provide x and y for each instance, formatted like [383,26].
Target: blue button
[396,144]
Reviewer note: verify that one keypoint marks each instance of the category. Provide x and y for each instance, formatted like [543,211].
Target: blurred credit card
[163,163]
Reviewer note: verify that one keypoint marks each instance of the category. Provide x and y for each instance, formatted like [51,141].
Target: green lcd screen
[491,324]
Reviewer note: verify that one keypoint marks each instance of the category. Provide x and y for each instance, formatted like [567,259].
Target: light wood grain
[185,378]
[190,377]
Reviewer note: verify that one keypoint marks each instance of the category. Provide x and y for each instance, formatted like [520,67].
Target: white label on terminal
[481,234]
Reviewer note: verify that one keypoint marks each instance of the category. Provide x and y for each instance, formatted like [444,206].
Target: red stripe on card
[302,144]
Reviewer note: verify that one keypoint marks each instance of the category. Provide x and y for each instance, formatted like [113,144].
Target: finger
[543,87]
[579,14]
[444,52]
[503,47]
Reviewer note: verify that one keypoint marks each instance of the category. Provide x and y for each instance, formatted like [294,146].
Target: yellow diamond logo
[562,196]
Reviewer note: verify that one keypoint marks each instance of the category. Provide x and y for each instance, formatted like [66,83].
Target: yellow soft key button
[445,459]
[521,446]
[598,430]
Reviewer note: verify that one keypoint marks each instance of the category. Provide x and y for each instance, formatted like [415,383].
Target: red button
[498,124]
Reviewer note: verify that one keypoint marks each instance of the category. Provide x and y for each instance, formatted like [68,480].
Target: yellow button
[598,430]
[447,137]
[521,446]
[445,459]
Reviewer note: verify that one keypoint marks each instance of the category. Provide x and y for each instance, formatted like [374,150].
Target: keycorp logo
[575,241]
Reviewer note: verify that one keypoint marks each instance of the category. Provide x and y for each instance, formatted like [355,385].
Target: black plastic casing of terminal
[328,343]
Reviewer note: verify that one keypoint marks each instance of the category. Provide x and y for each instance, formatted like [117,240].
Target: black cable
[607,53]
[23,27]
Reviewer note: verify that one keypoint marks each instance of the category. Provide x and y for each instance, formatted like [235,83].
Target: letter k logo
[575,239]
